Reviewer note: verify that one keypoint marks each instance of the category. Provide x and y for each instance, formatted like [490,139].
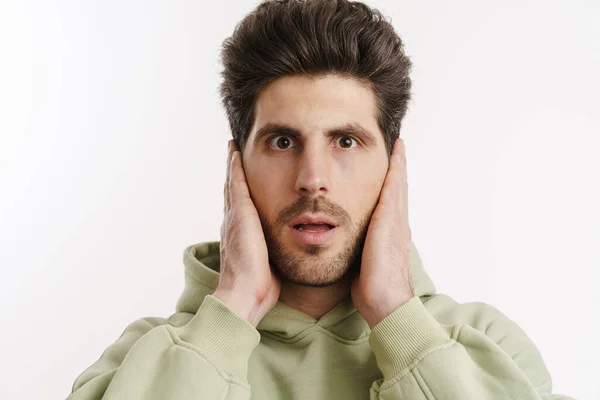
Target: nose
[313,168]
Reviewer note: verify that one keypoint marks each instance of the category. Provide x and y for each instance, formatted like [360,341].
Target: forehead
[315,104]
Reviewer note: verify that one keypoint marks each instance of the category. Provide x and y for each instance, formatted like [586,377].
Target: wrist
[379,310]
[242,305]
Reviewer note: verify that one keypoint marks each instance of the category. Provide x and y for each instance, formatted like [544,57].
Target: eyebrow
[342,130]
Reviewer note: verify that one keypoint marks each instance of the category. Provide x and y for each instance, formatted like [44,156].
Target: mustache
[320,205]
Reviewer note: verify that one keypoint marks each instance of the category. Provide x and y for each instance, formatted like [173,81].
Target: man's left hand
[383,284]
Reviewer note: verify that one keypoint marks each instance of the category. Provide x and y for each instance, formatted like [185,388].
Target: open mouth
[313,227]
[313,234]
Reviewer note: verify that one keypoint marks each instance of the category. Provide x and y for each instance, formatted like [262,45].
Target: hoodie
[431,347]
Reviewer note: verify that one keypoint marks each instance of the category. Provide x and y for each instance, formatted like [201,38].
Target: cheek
[265,186]
[255,180]
[367,176]
[366,186]
[368,190]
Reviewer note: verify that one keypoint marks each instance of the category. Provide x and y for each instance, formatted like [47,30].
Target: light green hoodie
[429,348]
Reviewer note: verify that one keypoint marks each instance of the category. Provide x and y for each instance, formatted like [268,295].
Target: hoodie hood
[202,266]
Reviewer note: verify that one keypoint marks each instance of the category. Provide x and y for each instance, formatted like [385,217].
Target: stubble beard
[307,265]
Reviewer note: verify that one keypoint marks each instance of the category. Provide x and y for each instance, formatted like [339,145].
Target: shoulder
[474,319]
[112,357]
[479,315]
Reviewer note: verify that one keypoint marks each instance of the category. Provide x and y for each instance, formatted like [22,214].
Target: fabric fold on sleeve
[222,336]
[405,334]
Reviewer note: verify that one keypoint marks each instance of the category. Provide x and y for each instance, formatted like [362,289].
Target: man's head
[315,92]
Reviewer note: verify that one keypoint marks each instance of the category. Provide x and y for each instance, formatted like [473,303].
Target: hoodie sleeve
[206,358]
[421,358]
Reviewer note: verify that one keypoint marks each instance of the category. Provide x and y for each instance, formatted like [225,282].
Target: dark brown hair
[314,37]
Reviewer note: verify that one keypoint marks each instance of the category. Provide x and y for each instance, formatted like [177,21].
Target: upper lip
[312,219]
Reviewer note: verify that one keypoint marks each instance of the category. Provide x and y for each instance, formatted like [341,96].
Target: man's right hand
[247,283]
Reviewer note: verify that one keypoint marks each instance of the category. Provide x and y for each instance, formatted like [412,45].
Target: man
[316,290]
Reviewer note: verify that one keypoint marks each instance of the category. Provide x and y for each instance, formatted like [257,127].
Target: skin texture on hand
[383,284]
[247,282]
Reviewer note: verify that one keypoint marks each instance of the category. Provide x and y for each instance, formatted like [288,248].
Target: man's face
[339,176]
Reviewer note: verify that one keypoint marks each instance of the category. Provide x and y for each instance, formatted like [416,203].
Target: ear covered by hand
[248,284]
[384,282]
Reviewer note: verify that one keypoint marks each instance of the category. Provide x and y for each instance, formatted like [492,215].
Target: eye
[283,142]
[347,142]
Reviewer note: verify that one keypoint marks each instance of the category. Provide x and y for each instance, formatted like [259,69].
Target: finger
[395,188]
[402,179]
[226,201]
[225,194]
[238,186]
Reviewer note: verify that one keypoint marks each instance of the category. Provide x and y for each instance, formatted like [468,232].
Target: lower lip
[308,237]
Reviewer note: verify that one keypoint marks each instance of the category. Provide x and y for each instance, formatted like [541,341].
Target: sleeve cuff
[405,334]
[223,337]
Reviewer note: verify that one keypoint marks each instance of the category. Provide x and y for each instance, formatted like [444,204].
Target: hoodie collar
[202,262]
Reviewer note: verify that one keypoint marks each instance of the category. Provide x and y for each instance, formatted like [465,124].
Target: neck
[315,301]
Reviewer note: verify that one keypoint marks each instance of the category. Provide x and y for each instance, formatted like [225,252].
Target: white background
[113,149]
